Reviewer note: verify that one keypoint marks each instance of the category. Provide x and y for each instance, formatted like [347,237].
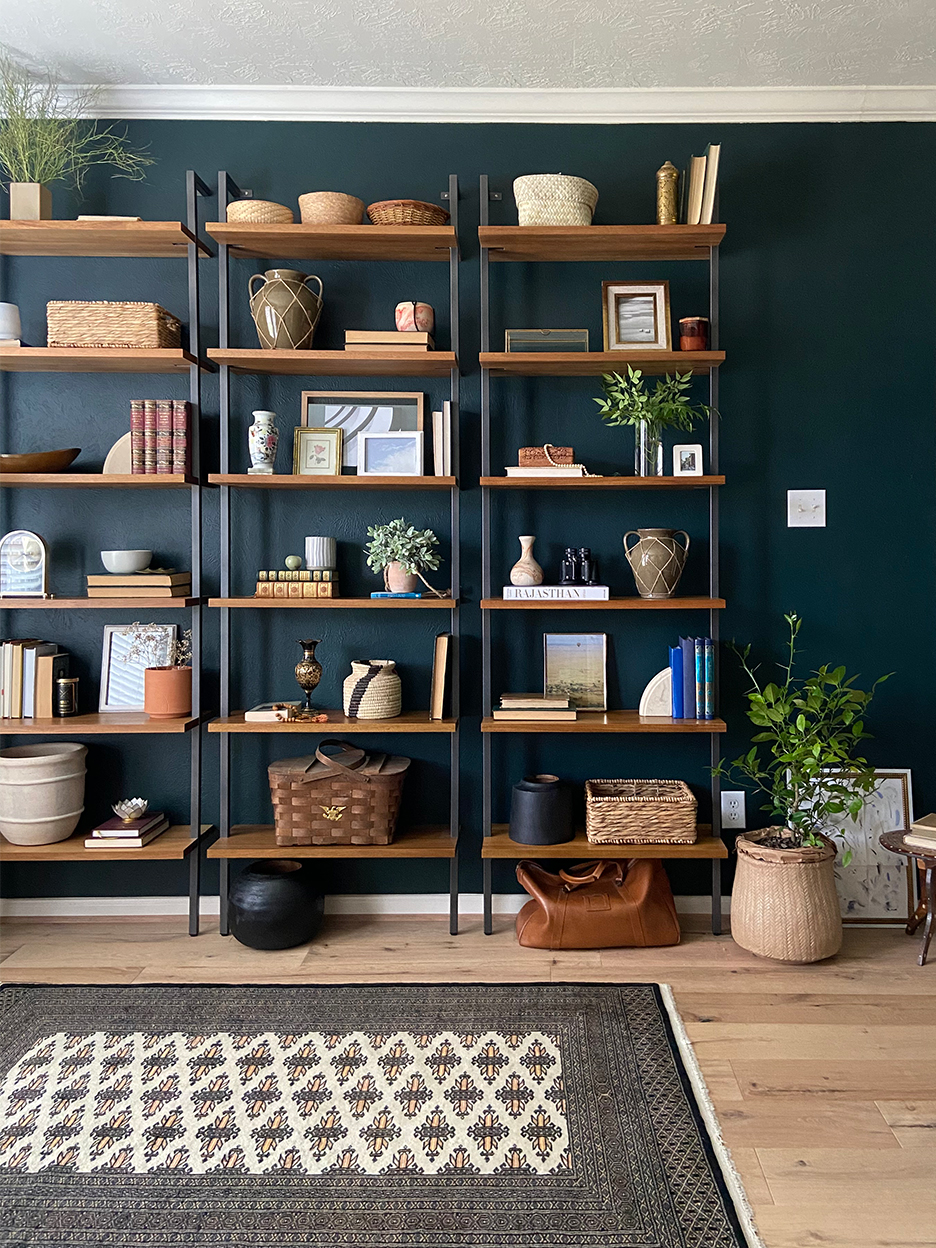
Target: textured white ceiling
[544,44]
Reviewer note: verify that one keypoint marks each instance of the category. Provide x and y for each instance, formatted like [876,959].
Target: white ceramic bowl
[123,562]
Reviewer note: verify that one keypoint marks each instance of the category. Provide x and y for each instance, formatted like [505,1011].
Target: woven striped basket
[554,199]
[406,212]
[260,212]
[640,812]
[372,691]
[98,323]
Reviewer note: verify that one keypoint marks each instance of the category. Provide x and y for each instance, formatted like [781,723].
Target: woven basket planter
[349,798]
[406,212]
[372,691]
[97,323]
[259,212]
[640,812]
[554,199]
[330,208]
[784,905]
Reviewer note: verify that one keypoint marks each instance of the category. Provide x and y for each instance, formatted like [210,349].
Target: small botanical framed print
[317,452]
[575,666]
[390,454]
[687,460]
[636,316]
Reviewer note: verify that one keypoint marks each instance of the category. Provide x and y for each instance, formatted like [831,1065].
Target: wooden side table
[895,842]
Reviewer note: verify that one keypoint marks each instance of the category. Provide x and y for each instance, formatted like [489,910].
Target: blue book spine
[675,662]
[699,667]
[709,678]
[382,594]
[687,646]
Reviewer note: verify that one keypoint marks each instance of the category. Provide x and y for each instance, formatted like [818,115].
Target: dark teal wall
[827,313]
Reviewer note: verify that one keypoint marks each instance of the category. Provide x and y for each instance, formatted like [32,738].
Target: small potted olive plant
[784,904]
[167,678]
[629,401]
[402,553]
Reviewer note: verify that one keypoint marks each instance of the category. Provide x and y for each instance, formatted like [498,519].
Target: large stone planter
[41,791]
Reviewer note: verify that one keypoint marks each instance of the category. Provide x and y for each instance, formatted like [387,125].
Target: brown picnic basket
[640,812]
[348,798]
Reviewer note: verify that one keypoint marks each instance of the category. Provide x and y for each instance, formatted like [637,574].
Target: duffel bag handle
[333,764]
[589,872]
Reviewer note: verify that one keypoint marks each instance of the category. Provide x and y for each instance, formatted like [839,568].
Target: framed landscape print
[575,666]
[877,886]
[636,316]
[362,412]
[390,454]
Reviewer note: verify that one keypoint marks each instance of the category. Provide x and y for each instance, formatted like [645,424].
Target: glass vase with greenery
[628,400]
[811,770]
[412,550]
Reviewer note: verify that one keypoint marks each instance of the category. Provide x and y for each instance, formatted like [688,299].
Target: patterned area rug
[372,1116]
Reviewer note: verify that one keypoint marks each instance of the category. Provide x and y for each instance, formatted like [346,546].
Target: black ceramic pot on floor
[274,904]
[541,811]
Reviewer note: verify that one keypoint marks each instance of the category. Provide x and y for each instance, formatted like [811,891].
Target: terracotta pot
[784,905]
[284,310]
[399,582]
[167,692]
[657,560]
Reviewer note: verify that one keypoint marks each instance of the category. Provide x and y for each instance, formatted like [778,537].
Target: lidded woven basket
[259,212]
[99,323]
[348,798]
[330,208]
[640,812]
[554,199]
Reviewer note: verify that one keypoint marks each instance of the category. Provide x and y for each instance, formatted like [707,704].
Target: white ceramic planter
[41,792]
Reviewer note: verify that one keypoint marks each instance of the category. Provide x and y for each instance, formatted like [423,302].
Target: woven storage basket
[554,199]
[259,212]
[372,691]
[640,812]
[86,323]
[330,208]
[350,798]
[406,212]
[784,904]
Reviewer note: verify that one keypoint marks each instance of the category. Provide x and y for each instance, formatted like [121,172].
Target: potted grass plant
[628,400]
[47,136]
[167,677]
[806,761]
[402,553]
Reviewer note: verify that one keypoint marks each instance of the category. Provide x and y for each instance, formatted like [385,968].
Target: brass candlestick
[667,178]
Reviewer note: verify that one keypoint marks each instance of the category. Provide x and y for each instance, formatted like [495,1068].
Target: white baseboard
[347,903]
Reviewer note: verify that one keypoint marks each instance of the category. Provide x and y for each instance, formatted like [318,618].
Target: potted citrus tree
[167,677]
[806,761]
[402,553]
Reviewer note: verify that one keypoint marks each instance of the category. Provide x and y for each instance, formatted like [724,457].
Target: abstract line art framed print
[356,412]
[876,886]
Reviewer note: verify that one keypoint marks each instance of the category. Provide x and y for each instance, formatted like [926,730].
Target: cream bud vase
[526,571]
[262,439]
[372,691]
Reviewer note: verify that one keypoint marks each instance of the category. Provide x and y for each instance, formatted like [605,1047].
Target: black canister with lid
[541,811]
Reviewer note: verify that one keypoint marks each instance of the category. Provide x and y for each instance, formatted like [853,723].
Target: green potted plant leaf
[629,401]
[402,553]
[46,136]
[811,771]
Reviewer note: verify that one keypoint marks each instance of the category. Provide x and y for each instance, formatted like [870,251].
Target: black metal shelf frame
[228,190]
[486,196]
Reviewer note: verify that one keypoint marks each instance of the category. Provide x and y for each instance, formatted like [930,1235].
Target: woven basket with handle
[640,812]
[406,212]
[98,323]
[348,798]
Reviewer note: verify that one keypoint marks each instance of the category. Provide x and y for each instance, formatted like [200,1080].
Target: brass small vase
[308,671]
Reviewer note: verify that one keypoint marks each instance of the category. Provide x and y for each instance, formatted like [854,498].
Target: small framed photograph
[122,679]
[687,460]
[317,452]
[575,667]
[357,412]
[390,455]
[636,316]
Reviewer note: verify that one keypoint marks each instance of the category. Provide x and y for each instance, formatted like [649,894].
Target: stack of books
[535,706]
[442,441]
[565,470]
[922,835]
[28,671]
[160,439]
[388,341]
[128,834]
[151,583]
[692,667]
[698,185]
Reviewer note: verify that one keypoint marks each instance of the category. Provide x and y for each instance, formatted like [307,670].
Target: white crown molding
[582,106]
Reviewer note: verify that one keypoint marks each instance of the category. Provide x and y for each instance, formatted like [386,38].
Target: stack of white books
[565,470]
[442,441]
[556,593]
[539,707]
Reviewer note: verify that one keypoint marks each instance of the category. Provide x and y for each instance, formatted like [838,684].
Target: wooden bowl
[39,461]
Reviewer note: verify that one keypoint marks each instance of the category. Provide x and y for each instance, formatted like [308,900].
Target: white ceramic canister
[321,552]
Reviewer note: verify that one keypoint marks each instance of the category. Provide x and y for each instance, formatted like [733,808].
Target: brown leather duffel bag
[597,905]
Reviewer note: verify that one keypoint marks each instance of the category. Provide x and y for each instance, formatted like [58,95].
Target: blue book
[383,594]
[699,666]
[687,646]
[709,696]
[675,663]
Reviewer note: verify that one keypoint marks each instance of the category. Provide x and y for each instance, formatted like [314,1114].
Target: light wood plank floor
[824,1077]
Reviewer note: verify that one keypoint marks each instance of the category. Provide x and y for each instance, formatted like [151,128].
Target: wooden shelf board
[97,604]
[601,483]
[96,480]
[96,723]
[600,242]
[409,721]
[594,363]
[259,841]
[95,360]
[283,481]
[334,242]
[334,363]
[152,239]
[499,845]
[607,604]
[606,721]
[354,604]
[175,843]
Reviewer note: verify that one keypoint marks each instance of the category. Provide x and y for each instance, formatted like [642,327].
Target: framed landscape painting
[575,667]
[876,886]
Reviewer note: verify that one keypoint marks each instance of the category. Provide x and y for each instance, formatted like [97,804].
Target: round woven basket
[554,199]
[260,212]
[330,208]
[784,905]
[406,212]
[372,691]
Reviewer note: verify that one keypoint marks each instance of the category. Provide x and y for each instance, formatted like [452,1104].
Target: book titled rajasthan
[556,593]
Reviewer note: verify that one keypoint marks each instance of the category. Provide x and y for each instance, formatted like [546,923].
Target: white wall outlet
[732,809]
[805,509]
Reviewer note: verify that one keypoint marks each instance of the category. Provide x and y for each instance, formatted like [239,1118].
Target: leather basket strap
[334,766]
